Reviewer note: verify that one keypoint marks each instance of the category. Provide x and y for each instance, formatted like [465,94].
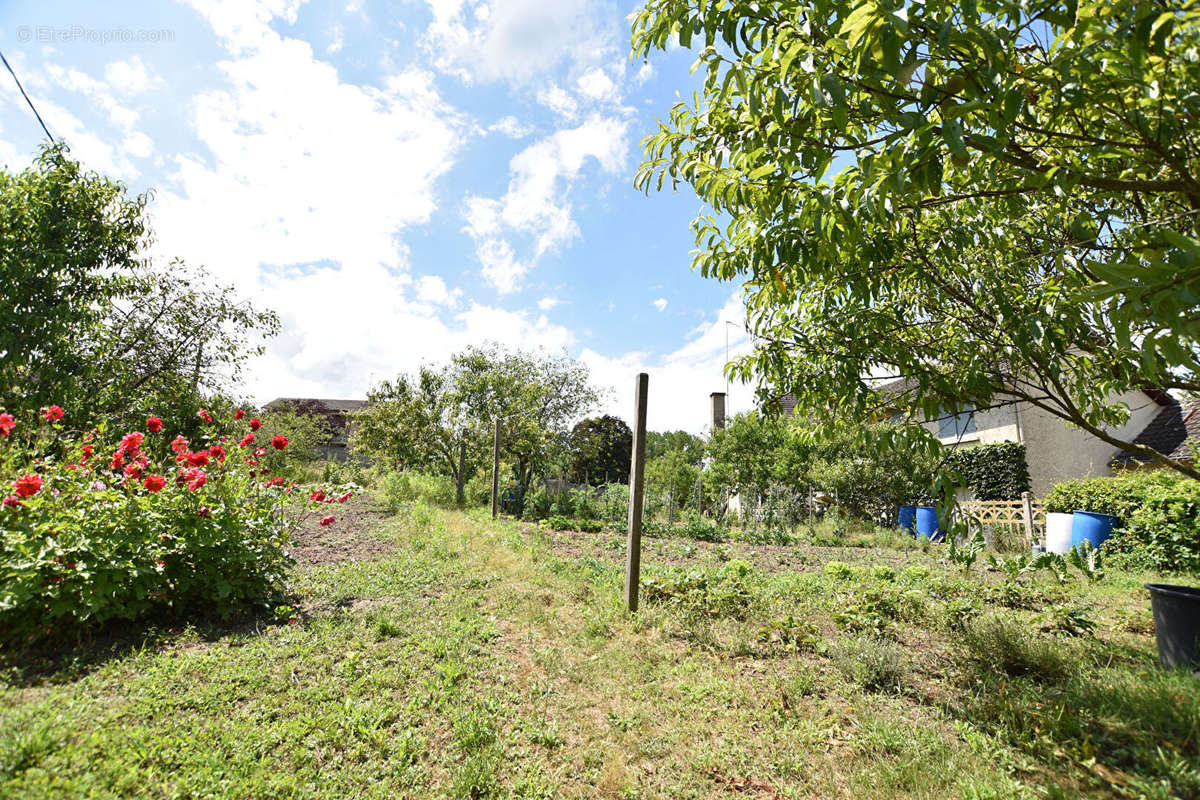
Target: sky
[396,180]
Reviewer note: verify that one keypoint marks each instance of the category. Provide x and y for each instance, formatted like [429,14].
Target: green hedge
[993,471]
[1159,511]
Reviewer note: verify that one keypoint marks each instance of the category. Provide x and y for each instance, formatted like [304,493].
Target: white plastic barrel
[1058,532]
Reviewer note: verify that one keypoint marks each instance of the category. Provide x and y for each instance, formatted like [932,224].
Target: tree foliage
[88,323]
[441,419]
[996,200]
[992,471]
[601,448]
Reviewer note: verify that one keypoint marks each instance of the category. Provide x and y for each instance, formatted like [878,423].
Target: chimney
[718,410]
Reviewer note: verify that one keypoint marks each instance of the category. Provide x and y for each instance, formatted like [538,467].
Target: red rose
[28,485]
[247,440]
[279,442]
[7,423]
[327,521]
[179,444]
[53,413]
[204,415]
[87,452]
[239,414]
[255,423]
[317,496]
[133,471]
[260,452]
[205,512]
[251,462]
[345,497]
[154,482]
[11,501]
[154,424]
[118,461]
[217,452]
[130,442]
[196,479]
[197,459]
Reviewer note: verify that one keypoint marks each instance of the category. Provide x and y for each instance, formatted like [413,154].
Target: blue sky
[396,180]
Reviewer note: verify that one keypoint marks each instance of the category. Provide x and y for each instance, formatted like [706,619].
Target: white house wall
[1055,452]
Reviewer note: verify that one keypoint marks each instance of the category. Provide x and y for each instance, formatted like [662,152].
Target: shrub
[537,505]
[1163,534]
[561,523]
[993,471]
[998,644]
[1160,513]
[590,525]
[400,488]
[99,531]
[1120,496]
[613,503]
[874,664]
[563,504]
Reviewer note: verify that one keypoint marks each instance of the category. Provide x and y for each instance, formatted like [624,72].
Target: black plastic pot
[1176,624]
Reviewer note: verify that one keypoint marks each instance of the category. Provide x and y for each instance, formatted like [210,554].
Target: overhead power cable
[26,96]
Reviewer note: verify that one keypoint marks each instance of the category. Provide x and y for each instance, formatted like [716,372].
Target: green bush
[993,471]
[563,504]
[613,503]
[400,488]
[1164,534]
[1159,511]
[560,523]
[591,525]
[537,505]
[1119,496]
[113,532]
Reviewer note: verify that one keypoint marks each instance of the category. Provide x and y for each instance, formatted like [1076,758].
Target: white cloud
[559,101]
[500,265]
[518,40]
[661,304]
[131,76]
[536,204]
[644,73]
[511,127]
[547,303]
[596,85]
[432,289]
[304,168]
[682,380]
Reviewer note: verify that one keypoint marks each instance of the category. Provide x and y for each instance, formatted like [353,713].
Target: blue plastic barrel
[907,518]
[1092,527]
[927,522]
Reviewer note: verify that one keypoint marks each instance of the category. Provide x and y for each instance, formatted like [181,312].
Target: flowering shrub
[96,528]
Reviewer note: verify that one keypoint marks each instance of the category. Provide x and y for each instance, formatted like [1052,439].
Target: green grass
[477,660]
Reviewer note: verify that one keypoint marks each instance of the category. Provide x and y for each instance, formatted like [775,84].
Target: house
[1175,432]
[1056,452]
[336,414]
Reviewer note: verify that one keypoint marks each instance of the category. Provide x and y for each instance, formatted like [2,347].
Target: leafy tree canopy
[995,199]
[601,448]
[425,421]
[660,443]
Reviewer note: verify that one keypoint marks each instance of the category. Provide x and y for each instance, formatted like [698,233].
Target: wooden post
[1027,513]
[460,496]
[496,471]
[637,477]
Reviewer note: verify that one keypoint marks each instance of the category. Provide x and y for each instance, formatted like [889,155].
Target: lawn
[439,654]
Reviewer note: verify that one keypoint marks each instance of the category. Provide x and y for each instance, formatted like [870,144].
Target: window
[954,426]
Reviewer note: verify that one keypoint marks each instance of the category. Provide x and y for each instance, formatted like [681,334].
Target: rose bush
[96,527]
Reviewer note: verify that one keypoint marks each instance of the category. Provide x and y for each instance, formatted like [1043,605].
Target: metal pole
[637,478]
[496,471]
